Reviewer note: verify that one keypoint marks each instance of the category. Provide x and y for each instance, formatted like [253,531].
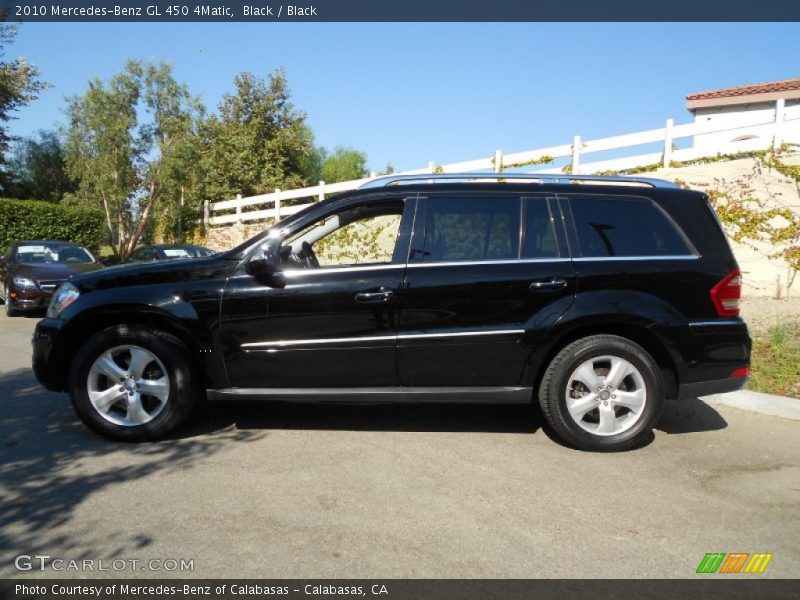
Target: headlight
[65,295]
[24,283]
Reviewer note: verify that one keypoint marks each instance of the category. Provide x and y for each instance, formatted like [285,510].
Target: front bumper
[29,300]
[47,363]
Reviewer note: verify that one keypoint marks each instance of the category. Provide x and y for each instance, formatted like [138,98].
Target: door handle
[382,295]
[555,283]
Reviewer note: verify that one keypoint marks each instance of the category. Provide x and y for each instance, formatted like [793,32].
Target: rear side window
[624,226]
[540,238]
[472,228]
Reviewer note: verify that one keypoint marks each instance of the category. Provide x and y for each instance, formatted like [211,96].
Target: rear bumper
[706,388]
[712,350]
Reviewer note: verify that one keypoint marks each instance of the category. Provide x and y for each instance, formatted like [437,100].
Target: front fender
[190,313]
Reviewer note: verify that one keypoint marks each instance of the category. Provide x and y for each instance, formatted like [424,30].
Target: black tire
[10,312]
[184,392]
[553,393]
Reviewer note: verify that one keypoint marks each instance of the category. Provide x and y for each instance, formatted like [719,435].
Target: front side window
[472,229]
[359,235]
[624,226]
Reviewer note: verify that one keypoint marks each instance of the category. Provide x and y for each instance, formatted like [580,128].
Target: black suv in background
[598,298]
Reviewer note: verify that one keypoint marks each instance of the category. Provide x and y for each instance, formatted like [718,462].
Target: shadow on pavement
[685,416]
[690,416]
[360,417]
[50,464]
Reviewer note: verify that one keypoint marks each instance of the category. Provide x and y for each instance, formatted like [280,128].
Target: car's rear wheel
[602,393]
[131,384]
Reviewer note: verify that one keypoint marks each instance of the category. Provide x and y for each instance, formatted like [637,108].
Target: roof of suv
[516,178]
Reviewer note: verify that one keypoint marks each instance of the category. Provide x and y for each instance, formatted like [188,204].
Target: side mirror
[264,267]
[261,266]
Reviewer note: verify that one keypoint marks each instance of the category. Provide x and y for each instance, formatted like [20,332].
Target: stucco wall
[763,276]
[732,117]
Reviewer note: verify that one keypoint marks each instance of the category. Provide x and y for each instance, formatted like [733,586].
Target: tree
[184,189]
[128,145]
[344,164]
[19,85]
[312,163]
[38,169]
[258,142]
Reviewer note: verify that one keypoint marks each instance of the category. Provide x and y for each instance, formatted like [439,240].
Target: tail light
[743,372]
[727,293]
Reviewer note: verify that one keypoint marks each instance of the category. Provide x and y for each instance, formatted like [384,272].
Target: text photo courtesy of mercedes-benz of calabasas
[597,298]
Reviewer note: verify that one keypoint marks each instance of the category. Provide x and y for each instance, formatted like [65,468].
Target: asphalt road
[269,490]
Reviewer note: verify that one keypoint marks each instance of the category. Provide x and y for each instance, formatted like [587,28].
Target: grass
[775,367]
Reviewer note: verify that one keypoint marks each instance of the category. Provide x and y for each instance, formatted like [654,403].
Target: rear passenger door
[483,269]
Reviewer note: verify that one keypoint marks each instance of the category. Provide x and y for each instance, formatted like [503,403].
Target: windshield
[44,254]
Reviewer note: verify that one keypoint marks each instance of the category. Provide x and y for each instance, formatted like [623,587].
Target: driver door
[334,322]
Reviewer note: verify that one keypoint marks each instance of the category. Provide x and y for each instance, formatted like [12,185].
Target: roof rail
[388,180]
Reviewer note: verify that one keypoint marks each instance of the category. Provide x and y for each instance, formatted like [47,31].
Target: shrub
[35,220]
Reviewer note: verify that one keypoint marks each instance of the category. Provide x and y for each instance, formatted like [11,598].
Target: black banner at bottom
[394,589]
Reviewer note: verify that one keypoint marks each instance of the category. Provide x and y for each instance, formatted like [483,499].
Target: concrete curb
[779,406]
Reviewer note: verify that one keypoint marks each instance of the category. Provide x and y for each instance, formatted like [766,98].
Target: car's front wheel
[131,384]
[602,393]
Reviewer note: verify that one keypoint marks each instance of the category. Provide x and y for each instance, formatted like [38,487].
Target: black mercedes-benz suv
[598,298]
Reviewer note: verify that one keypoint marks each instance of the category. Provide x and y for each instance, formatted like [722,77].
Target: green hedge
[35,220]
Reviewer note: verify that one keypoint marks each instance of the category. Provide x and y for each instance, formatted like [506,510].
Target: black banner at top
[173,11]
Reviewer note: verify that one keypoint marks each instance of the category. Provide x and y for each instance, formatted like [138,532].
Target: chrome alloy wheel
[128,385]
[606,395]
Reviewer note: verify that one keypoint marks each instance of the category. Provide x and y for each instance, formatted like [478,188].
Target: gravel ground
[763,313]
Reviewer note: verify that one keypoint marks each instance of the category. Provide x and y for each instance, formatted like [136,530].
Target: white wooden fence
[762,134]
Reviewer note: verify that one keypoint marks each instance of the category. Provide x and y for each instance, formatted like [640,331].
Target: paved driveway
[268,490]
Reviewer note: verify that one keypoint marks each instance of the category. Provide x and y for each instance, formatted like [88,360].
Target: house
[748,116]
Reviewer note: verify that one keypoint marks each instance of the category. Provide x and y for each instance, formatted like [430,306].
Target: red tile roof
[747,90]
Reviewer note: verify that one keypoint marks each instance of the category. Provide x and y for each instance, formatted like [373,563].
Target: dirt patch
[763,313]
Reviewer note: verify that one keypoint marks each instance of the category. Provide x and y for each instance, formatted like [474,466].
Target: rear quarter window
[610,226]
